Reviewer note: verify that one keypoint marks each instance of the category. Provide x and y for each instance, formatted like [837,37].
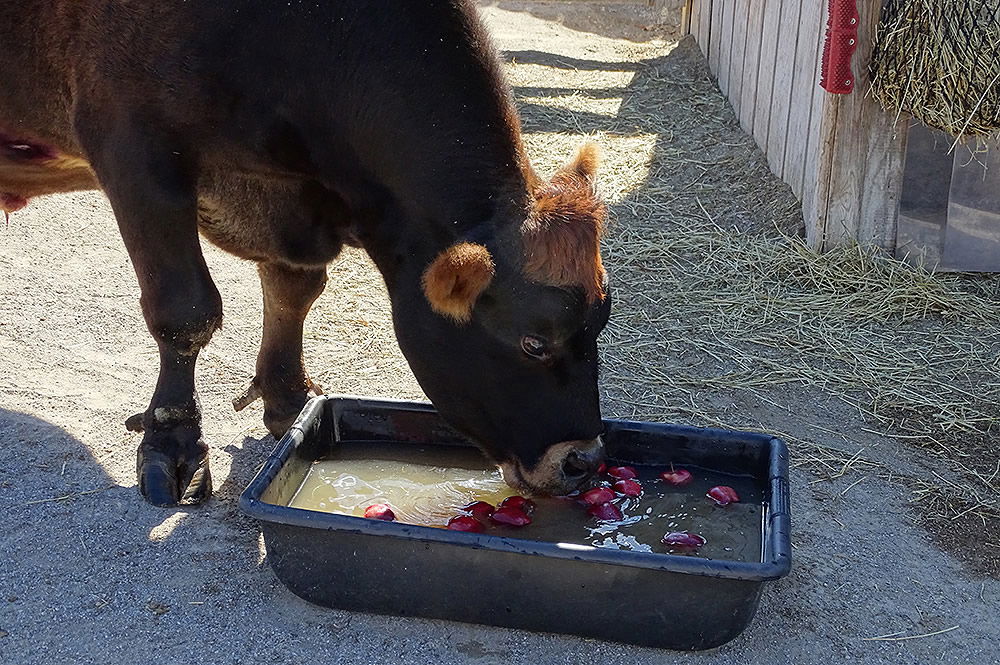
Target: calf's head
[504,337]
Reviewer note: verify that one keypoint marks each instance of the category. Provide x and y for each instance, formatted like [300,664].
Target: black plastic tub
[650,599]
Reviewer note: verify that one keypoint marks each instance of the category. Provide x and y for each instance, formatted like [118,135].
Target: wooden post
[859,169]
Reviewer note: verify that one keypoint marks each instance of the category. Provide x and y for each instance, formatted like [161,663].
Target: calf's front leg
[150,178]
[281,377]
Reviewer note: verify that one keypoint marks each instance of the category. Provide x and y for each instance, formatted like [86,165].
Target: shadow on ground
[48,474]
[636,21]
[701,164]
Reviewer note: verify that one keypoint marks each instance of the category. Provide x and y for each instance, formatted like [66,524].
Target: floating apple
[676,477]
[597,496]
[605,512]
[622,472]
[510,516]
[465,523]
[683,540]
[380,511]
[527,505]
[627,487]
[723,495]
[479,509]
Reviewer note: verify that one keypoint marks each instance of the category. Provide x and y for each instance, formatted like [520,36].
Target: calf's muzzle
[564,467]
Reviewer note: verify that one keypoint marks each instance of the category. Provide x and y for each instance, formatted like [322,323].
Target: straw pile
[939,60]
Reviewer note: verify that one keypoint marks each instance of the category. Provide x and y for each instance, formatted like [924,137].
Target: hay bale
[939,60]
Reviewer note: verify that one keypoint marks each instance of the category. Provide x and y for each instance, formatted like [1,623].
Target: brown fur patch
[562,237]
[454,280]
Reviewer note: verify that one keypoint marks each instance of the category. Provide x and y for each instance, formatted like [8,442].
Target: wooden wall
[840,154]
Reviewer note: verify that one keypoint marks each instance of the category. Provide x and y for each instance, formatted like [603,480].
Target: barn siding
[751,65]
[840,154]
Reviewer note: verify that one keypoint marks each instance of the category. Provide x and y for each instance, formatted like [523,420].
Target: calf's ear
[454,280]
[584,164]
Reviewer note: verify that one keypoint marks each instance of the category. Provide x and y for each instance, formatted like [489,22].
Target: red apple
[465,523]
[605,512]
[602,467]
[628,487]
[622,472]
[723,495]
[676,477]
[597,496]
[527,505]
[509,516]
[683,540]
[479,509]
[380,511]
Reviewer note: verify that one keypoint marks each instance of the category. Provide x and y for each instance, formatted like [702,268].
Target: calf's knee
[183,321]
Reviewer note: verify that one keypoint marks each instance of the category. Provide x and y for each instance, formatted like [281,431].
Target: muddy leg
[150,179]
[281,376]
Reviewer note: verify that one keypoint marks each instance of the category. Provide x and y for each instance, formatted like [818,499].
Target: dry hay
[917,354]
[939,60]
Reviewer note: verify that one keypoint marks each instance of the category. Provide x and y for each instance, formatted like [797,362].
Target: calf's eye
[536,347]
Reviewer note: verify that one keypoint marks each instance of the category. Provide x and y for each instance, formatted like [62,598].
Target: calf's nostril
[577,466]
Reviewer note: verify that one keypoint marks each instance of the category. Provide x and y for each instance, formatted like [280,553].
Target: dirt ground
[92,574]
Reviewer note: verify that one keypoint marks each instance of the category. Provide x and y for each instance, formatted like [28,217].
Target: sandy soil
[101,577]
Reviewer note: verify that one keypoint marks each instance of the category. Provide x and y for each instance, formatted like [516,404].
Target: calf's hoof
[279,422]
[281,410]
[281,404]
[173,470]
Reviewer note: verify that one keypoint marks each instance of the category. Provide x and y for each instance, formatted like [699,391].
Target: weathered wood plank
[805,78]
[816,200]
[751,64]
[704,24]
[711,29]
[866,163]
[781,90]
[816,184]
[740,10]
[725,46]
[704,13]
[695,27]
[765,73]
[866,179]
[715,38]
